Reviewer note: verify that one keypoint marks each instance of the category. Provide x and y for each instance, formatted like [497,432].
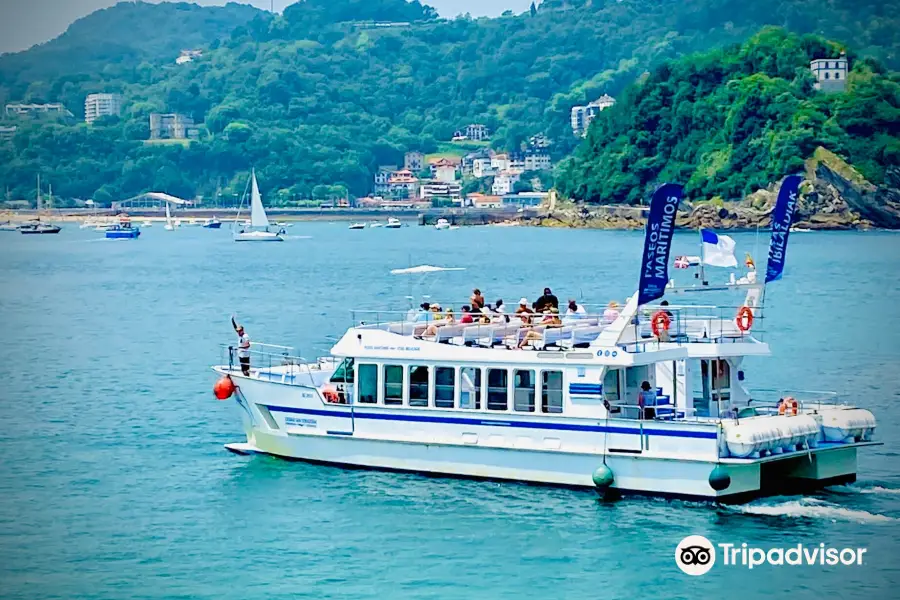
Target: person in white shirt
[243,350]
[574,312]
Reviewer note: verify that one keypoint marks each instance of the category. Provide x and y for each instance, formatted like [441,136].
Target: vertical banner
[782,217]
[658,242]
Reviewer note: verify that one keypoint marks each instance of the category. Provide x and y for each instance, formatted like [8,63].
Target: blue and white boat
[123,230]
[213,223]
[568,409]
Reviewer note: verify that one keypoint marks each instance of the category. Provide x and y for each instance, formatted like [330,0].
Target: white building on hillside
[500,162]
[581,116]
[19,109]
[101,105]
[831,73]
[481,167]
[503,183]
[439,189]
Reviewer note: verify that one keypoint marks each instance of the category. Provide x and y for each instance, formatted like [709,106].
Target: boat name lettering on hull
[398,348]
[300,422]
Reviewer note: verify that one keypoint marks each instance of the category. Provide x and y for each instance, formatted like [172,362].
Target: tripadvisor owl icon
[695,555]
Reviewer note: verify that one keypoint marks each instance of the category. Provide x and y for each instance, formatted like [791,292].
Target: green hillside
[323,94]
[728,122]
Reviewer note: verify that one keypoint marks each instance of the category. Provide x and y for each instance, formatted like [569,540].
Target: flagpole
[702,274]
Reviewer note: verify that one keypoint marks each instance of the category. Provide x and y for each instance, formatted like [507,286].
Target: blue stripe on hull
[491,423]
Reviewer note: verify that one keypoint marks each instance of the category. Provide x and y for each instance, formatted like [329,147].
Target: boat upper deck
[632,329]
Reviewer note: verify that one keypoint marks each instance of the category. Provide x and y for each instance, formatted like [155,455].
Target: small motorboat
[283,224]
[39,228]
[357,226]
[376,224]
[8,226]
[213,223]
[122,230]
[442,224]
[147,224]
[394,223]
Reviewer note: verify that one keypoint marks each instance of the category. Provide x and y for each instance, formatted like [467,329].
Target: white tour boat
[442,224]
[259,222]
[394,223]
[464,400]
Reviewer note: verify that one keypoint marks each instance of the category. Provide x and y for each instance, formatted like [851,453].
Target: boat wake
[875,489]
[812,508]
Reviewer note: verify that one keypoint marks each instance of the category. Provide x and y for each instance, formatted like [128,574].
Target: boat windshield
[344,373]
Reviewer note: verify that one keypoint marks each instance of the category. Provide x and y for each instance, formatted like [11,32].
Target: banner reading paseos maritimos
[782,217]
[658,242]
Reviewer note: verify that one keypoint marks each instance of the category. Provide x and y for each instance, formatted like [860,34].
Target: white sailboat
[259,222]
[170,225]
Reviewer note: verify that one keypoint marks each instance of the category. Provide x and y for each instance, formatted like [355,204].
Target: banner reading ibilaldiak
[658,242]
[782,217]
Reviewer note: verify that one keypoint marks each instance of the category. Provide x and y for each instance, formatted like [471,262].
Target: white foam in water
[877,489]
[813,508]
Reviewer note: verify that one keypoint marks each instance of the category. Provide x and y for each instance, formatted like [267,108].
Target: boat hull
[656,458]
[212,225]
[258,236]
[44,231]
[123,235]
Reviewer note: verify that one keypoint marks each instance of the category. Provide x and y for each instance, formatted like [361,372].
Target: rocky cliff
[834,196]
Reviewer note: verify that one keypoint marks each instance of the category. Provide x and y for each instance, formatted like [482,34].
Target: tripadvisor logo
[696,555]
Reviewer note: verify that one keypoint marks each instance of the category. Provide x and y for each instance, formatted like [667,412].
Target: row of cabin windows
[474,384]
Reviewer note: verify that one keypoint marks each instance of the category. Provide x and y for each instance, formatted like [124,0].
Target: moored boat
[213,223]
[652,399]
[357,226]
[39,228]
[394,223]
[442,224]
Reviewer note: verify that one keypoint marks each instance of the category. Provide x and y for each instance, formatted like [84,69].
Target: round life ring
[660,322]
[331,395]
[744,319]
[788,404]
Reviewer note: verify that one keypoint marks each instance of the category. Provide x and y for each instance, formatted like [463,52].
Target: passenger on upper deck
[551,319]
[611,313]
[424,314]
[574,312]
[466,315]
[477,300]
[548,299]
[448,319]
[524,312]
[499,307]
[243,350]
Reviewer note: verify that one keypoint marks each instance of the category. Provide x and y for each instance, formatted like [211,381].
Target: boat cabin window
[444,387]
[393,385]
[523,391]
[418,386]
[470,388]
[552,391]
[611,389]
[700,387]
[344,373]
[498,389]
[368,384]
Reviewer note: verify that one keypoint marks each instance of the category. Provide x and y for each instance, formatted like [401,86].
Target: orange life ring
[744,319]
[660,322]
[788,404]
[331,395]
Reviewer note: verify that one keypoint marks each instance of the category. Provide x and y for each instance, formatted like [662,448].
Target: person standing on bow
[243,350]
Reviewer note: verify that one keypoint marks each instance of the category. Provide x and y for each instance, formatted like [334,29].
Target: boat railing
[272,362]
[768,399]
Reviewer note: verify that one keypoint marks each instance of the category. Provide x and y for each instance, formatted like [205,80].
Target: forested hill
[324,93]
[728,122]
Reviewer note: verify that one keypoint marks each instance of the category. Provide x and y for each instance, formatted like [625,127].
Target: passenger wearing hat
[611,313]
[524,312]
[548,299]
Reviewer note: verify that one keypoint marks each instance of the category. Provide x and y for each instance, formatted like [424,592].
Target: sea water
[115,483]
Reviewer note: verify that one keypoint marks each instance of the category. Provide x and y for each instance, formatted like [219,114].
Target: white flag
[718,250]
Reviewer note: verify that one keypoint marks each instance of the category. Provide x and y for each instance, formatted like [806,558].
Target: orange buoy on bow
[224,388]
[660,322]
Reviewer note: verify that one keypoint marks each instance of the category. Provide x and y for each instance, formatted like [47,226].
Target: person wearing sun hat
[524,311]
[611,313]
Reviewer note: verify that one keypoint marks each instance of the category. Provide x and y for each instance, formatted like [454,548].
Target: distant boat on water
[394,223]
[357,226]
[213,223]
[39,228]
[170,225]
[259,222]
[123,230]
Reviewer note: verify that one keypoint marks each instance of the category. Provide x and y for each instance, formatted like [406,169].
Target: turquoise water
[115,483]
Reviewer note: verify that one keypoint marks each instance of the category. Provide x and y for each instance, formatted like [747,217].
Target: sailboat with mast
[259,222]
[170,225]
